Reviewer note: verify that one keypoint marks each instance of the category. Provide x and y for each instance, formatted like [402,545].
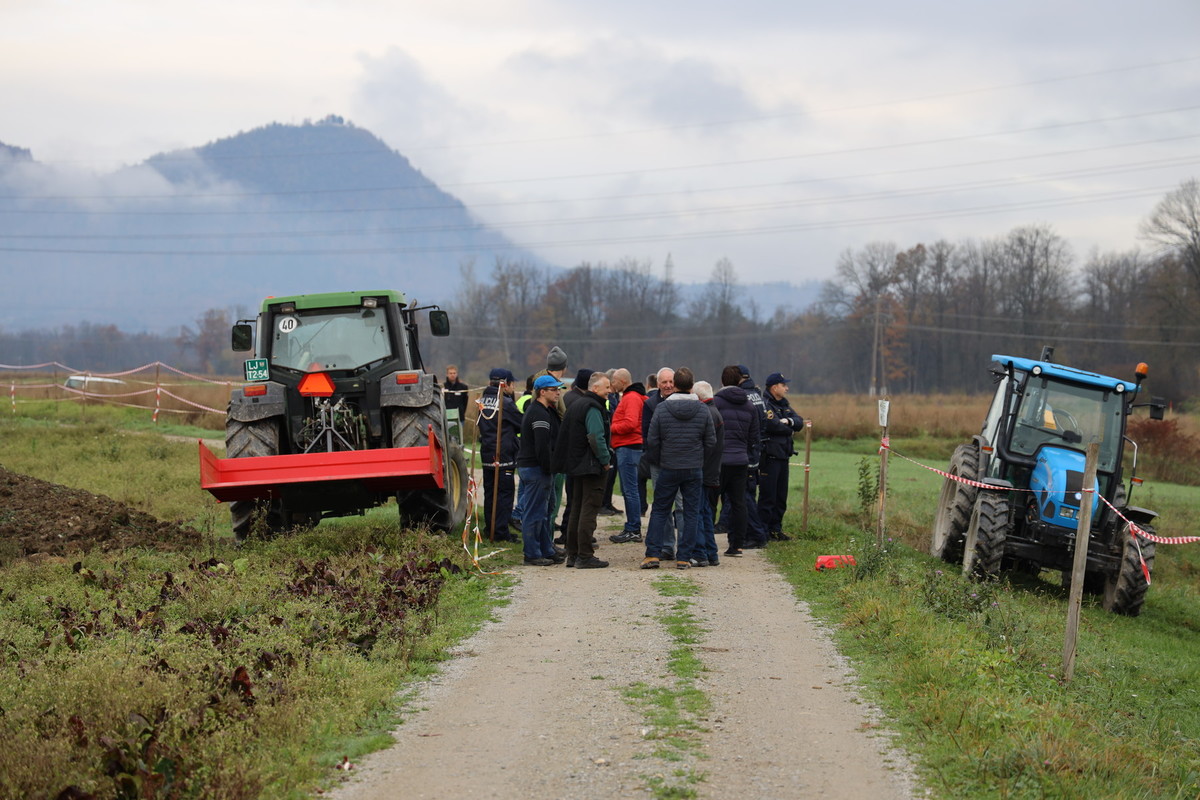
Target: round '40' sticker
[288,324]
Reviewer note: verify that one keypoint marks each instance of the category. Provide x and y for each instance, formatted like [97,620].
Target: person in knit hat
[556,361]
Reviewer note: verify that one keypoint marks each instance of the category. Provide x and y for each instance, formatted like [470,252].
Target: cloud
[396,96]
[625,78]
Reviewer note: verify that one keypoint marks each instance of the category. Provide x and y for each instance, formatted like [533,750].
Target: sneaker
[683,565]
[754,545]
[779,536]
[570,560]
[625,536]
[712,562]
[698,562]
[733,551]
[649,562]
[539,562]
[608,511]
[590,563]
[558,557]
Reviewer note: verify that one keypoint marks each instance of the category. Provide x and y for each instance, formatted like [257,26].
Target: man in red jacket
[627,439]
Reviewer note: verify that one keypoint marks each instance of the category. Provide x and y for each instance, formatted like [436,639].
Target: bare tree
[1175,223]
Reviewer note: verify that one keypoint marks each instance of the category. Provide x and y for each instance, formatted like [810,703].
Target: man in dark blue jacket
[778,447]
[680,438]
[499,425]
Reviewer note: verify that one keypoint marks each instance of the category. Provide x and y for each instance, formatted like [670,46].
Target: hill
[280,209]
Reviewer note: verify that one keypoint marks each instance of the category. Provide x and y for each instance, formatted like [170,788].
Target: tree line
[916,318]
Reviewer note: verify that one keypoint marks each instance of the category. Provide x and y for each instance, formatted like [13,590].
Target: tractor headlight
[1036,370]
[1119,388]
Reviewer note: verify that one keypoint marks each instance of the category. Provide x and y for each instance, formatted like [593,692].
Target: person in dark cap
[582,453]
[556,361]
[556,367]
[578,391]
[778,447]
[499,425]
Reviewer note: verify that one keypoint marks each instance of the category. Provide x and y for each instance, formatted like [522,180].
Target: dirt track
[533,706]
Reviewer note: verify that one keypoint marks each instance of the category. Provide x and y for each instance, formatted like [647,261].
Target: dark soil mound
[41,517]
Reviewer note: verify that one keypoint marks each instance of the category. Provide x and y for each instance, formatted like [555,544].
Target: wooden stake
[883,461]
[807,468]
[1079,566]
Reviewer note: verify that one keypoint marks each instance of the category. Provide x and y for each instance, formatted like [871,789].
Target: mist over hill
[282,209]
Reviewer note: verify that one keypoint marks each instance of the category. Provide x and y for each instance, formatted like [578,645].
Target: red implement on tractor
[338,415]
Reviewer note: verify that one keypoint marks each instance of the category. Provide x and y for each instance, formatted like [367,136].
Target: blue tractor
[1030,459]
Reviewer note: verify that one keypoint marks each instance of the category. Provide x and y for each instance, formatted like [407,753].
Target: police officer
[499,425]
[778,447]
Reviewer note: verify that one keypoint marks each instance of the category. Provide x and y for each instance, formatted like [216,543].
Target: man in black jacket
[455,392]
[582,453]
[535,464]
[499,424]
[743,443]
[778,447]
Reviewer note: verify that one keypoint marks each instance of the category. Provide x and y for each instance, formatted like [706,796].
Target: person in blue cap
[499,425]
[535,464]
[778,447]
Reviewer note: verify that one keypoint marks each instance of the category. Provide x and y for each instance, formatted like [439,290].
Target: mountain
[283,209]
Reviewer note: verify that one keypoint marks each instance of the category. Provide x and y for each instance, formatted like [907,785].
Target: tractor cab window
[329,339]
[1067,415]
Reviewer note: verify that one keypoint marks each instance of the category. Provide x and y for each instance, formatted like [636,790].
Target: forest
[897,318]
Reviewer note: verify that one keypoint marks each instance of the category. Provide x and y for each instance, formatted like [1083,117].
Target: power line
[651,170]
[627,216]
[692,236]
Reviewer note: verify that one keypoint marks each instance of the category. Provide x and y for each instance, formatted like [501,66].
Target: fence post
[807,468]
[157,393]
[883,461]
[1079,565]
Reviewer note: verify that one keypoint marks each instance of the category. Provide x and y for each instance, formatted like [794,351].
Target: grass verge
[970,673]
[674,713]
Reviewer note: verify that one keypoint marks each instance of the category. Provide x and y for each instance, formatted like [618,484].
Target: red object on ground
[833,562]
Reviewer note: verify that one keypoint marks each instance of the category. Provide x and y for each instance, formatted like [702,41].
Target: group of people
[700,449]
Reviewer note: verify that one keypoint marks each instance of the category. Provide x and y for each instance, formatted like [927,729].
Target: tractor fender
[252,409]
[1138,515]
[406,395]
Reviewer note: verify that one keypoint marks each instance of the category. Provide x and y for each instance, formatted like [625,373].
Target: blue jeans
[689,484]
[535,527]
[628,459]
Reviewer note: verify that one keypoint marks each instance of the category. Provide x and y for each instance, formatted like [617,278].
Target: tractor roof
[1066,373]
[334,299]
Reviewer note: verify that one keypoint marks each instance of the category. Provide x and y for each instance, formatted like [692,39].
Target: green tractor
[1021,505]
[337,415]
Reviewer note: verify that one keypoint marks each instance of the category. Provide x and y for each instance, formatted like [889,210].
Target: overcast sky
[776,134]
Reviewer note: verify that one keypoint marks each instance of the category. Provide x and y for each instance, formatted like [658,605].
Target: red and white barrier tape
[884,445]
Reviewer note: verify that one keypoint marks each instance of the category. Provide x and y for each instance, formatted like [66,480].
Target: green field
[121,675]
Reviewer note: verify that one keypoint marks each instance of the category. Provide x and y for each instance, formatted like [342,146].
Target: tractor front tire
[251,440]
[1125,589]
[955,505]
[987,534]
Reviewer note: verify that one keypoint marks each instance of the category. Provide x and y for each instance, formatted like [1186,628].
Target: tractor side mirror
[439,322]
[1157,407]
[243,337]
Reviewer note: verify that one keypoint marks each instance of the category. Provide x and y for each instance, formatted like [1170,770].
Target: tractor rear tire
[987,534]
[955,505]
[441,509]
[252,440]
[1125,589]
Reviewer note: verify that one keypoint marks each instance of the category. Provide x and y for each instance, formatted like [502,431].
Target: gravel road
[533,706]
